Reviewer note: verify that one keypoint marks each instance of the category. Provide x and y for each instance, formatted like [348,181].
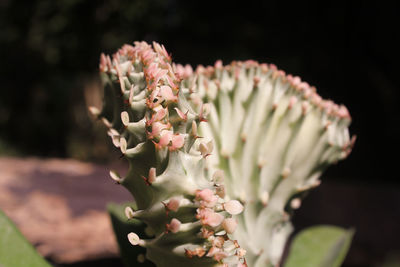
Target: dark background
[49,53]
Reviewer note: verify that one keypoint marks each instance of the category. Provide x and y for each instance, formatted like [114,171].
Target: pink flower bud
[178,140]
[173,204]
[205,194]
[181,115]
[229,225]
[233,207]
[165,138]
[167,94]
[212,219]
[160,114]
[156,128]
[174,225]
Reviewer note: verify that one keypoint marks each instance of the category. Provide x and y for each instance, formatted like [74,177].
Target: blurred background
[49,53]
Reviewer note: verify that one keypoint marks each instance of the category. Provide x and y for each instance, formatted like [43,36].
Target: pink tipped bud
[205,194]
[156,128]
[152,176]
[173,204]
[229,225]
[292,101]
[181,115]
[166,137]
[343,112]
[174,226]
[305,107]
[220,191]
[194,129]
[170,82]
[205,110]
[206,149]
[241,252]
[160,114]
[218,242]
[211,218]
[212,251]
[177,141]
[167,94]
[200,252]
[103,62]
[233,207]
[220,255]
[218,64]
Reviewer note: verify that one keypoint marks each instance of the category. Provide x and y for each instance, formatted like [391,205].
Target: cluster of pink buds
[215,215]
[157,132]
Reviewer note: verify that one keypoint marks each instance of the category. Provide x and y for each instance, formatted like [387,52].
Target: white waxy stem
[129,213]
[233,207]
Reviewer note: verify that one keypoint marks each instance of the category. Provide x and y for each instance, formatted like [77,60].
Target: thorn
[286,172]
[146,180]
[265,198]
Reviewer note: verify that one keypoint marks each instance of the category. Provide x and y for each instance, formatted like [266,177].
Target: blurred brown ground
[60,206]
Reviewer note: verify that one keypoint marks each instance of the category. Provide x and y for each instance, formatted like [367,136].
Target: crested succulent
[218,157]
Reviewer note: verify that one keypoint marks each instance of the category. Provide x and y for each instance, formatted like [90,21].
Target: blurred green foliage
[15,250]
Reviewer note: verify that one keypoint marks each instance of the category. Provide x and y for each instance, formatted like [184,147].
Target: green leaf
[319,246]
[122,227]
[15,250]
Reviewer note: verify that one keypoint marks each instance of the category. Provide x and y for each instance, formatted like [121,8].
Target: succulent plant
[218,157]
